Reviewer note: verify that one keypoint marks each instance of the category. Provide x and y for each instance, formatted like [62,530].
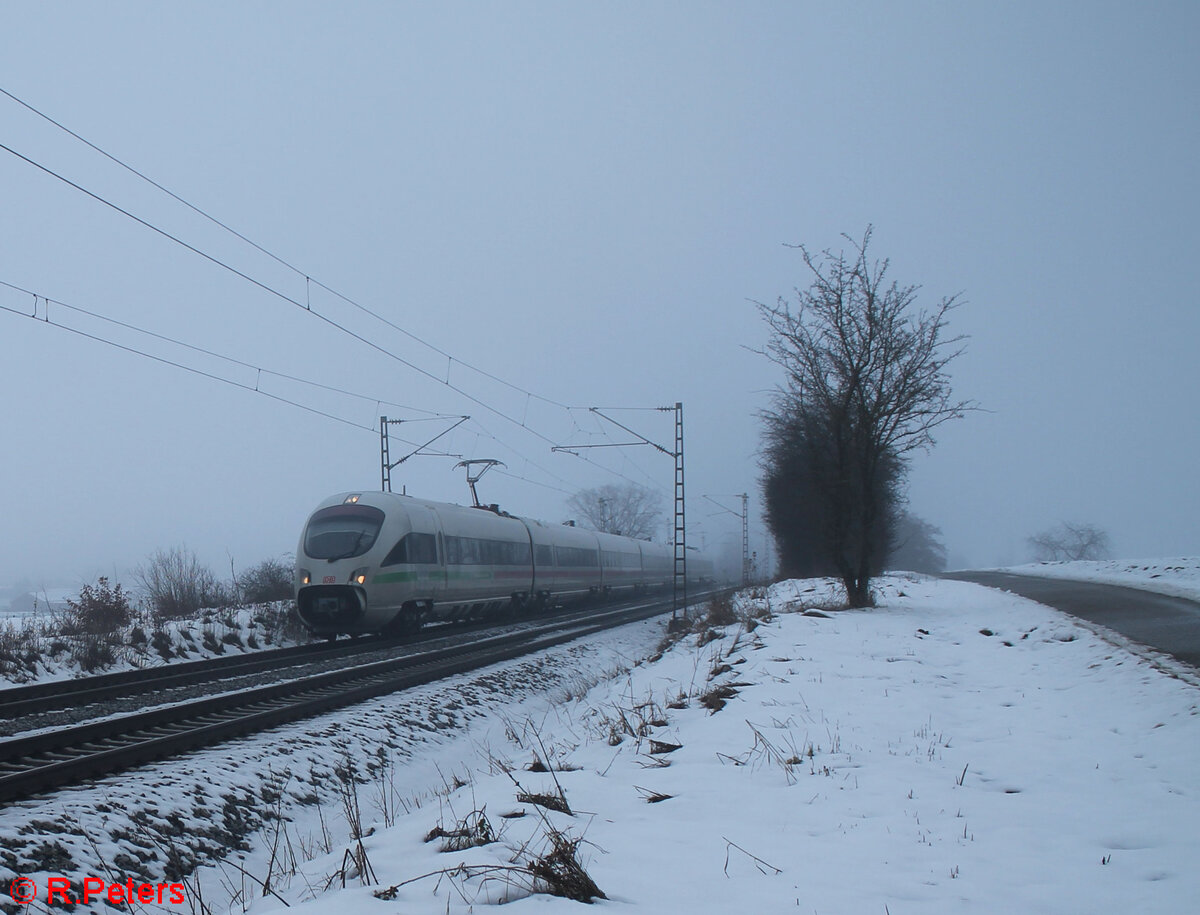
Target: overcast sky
[581,201]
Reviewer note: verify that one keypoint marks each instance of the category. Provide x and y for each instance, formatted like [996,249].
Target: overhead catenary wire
[44,317]
[282,295]
[309,281]
[256,388]
[275,257]
[370,398]
[187,368]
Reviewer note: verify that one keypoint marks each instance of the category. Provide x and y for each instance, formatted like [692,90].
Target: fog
[559,206]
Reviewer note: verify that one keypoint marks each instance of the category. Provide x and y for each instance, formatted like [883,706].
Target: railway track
[41,698]
[19,701]
[44,761]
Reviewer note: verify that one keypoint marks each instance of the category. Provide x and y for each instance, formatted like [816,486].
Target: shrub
[270,580]
[93,651]
[210,643]
[161,642]
[177,585]
[720,611]
[280,623]
[100,610]
[19,651]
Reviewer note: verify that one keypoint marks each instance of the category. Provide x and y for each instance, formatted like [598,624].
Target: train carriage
[382,562]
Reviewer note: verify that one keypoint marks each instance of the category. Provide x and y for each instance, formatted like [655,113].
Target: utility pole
[745,516]
[679,582]
[387,465]
[679,577]
[745,540]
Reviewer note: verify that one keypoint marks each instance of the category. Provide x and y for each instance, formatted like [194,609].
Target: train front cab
[330,593]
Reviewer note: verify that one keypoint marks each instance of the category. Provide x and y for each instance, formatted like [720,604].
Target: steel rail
[44,697]
[30,765]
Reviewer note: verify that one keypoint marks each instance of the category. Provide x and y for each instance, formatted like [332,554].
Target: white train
[381,562]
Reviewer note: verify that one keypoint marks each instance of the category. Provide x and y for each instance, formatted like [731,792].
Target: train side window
[512,553]
[545,555]
[413,548]
[468,551]
[423,548]
[398,553]
[577,556]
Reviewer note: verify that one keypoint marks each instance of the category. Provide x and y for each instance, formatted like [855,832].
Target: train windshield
[342,531]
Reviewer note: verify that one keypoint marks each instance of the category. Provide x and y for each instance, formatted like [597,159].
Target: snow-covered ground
[33,649]
[1177,577]
[956,749]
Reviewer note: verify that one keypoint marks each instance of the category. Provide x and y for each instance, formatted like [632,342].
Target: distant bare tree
[1070,541]
[629,510]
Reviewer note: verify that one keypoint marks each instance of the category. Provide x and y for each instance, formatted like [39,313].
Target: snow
[38,651]
[1179,577]
[933,768]
[956,749]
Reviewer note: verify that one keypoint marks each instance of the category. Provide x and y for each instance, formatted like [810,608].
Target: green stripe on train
[388,578]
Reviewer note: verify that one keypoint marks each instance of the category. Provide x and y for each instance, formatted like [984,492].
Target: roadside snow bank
[1175,577]
[957,749]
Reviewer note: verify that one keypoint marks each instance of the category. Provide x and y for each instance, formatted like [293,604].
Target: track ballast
[67,756]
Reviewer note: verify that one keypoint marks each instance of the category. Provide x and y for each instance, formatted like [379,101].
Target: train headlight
[352,498]
[359,576]
[305,577]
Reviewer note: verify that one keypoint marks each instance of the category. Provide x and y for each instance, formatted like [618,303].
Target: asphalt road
[1169,624]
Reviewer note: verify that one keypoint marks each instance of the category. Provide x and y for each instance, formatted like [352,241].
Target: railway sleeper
[64,755]
[210,718]
[103,746]
[164,730]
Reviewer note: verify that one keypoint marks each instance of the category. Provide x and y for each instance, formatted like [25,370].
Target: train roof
[561,533]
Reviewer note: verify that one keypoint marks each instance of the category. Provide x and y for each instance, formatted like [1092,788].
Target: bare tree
[629,510]
[1070,541]
[177,584]
[865,387]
